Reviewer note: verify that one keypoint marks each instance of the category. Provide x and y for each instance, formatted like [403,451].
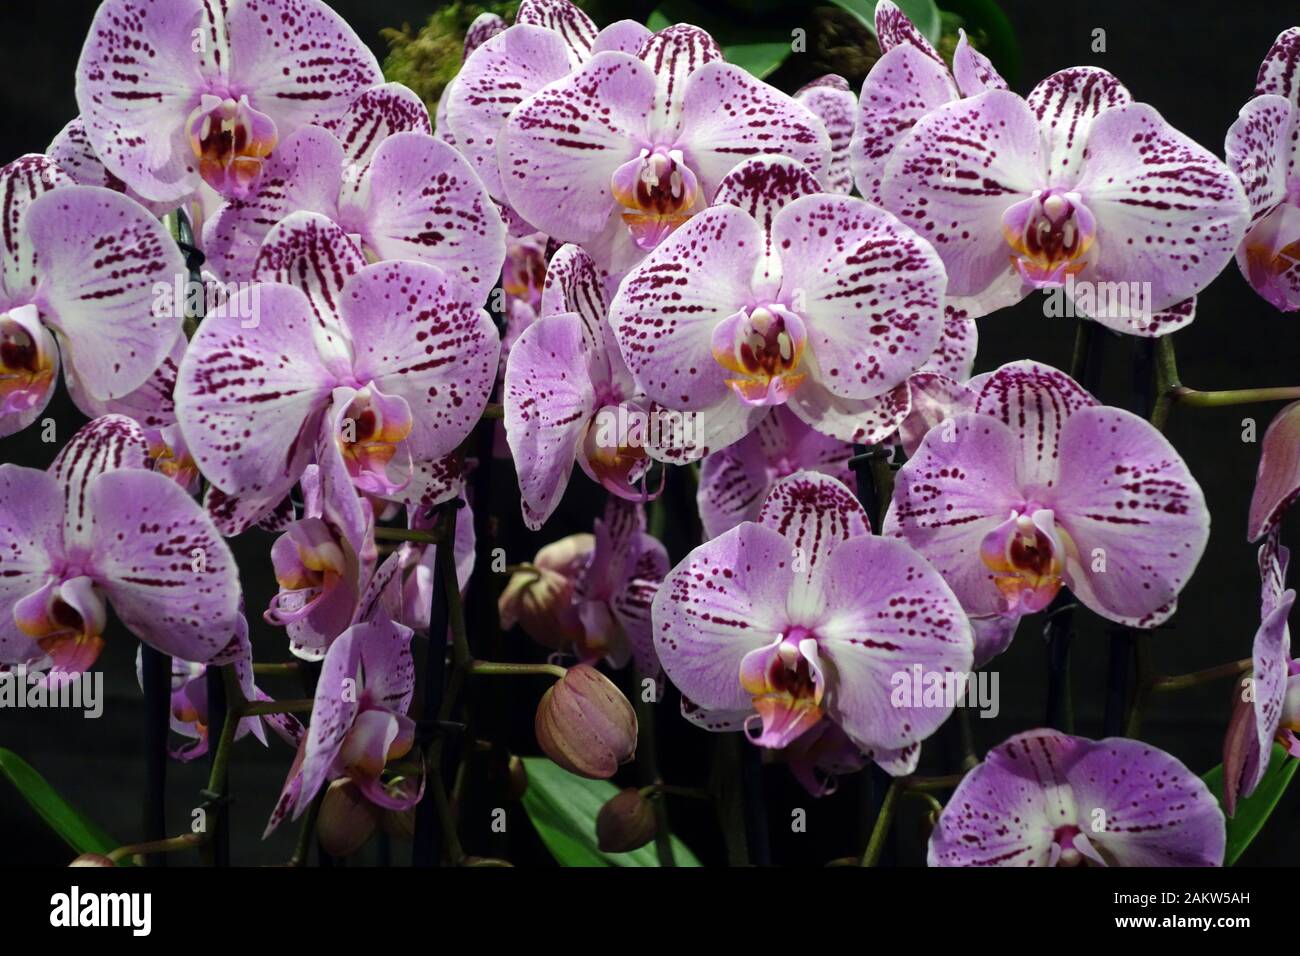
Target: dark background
[1195,61]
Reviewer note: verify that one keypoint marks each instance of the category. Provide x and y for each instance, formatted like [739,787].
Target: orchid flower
[413,197]
[1041,487]
[735,481]
[358,723]
[909,81]
[175,93]
[96,530]
[1076,188]
[781,295]
[1044,798]
[79,267]
[803,617]
[419,565]
[1263,149]
[1270,711]
[394,360]
[621,151]
[189,701]
[569,397]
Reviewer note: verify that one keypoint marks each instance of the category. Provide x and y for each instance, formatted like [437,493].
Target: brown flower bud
[347,819]
[517,782]
[92,859]
[541,601]
[585,724]
[625,823]
[399,824]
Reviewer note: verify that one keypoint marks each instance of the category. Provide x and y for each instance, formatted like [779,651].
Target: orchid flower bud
[626,822]
[541,599]
[347,819]
[92,859]
[586,725]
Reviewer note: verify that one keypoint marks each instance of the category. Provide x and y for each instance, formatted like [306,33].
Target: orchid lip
[763,346]
[1050,234]
[26,360]
[658,191]
[231,140]
[787,686]
[1026,554]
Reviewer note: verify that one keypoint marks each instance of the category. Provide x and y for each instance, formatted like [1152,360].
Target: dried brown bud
[517,784]
[541,600]
[625,823]
[347,819]
[585,724]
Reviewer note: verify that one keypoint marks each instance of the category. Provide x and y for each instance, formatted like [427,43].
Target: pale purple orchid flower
[1076,188]
[568,396]
[98,529]
[394,360]
[189,701]
[175,93]
[735,481]
[412,197]
[1268,708]
[781,295]
[79,267]
[623,150]
[909,81]
[71,149]
[1263,149]
[358,723]
[1044,798]
[831,101]
[806,617]
[1039,487]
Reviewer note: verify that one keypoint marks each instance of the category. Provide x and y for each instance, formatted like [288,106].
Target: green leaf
[760,50]
[77,831]
[563,808]
[923,14]
[1254,811]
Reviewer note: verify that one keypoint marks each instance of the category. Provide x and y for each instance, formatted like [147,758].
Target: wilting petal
[725,599]
[951,495]
[420,335]
[903,85]
[31,541]
[299,59]
[849,268]
[1155,811]
[419,199]
[885,610]
[832,102]
[249,400]
[1277,481]
[1168,212]
[1034,400]
[100,256]
[666,310]
[714,139]
[564,144]
[549,401]
[501,74]
[1135,513]
[137,80]
[1066,104]
[164,567]
[955,174]
[378,113]
[304,174]
[973,71]
[105,444]
[1270,657]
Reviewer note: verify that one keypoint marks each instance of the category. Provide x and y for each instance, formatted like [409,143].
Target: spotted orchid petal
[380,112]
[894,29]
[72,151]
[563,18]
[832,102]
[1067,103]
[1036,800]
[1277,480]
[674,53]
[973,71]
[31,542]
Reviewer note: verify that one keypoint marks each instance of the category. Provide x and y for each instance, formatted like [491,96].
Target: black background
[1195,61]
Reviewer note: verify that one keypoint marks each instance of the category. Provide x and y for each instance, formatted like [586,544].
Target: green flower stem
[1206,676]
[876,845]
[405,534]
[1238,396]
[494,669]
[283,669]
[169,845]
[668,790]
[948,782]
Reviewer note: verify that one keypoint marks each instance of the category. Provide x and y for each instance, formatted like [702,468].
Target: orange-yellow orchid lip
[66,620]
[763,347]
[26,361]
[1050,235]
[658,192]
[371,431]
[1026,554]
[786,684]
[231,141]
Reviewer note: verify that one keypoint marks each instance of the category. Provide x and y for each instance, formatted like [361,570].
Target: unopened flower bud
[625,823]
[517,784]
[541,599]
[347,819]
[399,824]
[92,859]
[585,724]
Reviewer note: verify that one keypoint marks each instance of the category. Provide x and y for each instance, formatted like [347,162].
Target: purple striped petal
[101,257]
[1136,515]
[894,29]
[418,334]
[674,53]
[378,113]
[22,182]
[419,199]
[106,444]
[973,71]
[1066,104]
[167,572]
[31,542]
[1168,212]
[832,102]
[562,17]
[484,28]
